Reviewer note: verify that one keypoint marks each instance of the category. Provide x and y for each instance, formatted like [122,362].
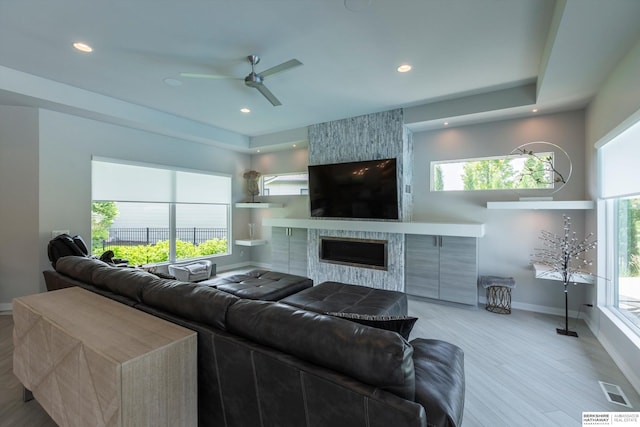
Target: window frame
[614,162]
[608,219]
[434,163]
[263,177]
[173,203]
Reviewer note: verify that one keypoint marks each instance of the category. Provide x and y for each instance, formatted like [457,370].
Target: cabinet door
[289,250]
[280,249]
[459,270]
[298,251]
[422,256]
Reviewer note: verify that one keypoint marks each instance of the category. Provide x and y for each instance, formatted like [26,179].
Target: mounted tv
[363,190]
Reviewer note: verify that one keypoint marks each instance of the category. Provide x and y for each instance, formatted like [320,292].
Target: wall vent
[614,394]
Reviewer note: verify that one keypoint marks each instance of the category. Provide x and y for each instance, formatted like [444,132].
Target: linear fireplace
[366,253]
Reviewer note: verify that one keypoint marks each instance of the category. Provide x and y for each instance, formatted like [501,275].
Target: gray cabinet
[442,267]
[289,250]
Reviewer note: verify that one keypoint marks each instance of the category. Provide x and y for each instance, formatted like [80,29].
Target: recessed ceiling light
[245,110]
[294,145]
[257,151]
[535,110]
[446,123]
[82,47]
[404,68]
[172,82]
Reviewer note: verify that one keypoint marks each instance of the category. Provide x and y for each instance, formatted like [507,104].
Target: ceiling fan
[254,80]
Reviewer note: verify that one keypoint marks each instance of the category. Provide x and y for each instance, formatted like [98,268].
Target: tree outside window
[494,173]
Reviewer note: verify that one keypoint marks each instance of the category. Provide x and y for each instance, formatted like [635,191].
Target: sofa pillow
[399,324]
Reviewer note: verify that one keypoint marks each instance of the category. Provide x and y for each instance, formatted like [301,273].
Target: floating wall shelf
[247,242]
[259,205]
[544,204]
[429,228]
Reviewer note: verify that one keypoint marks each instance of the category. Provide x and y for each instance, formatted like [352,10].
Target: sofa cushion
[373,356]
[122,281]
[347,298]
[261,285]
[79,268]
[400,324]
[202,304]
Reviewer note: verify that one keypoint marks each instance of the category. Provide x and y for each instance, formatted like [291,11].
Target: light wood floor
[519,372]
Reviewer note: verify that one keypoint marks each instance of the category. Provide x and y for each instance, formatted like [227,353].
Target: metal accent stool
[498,293]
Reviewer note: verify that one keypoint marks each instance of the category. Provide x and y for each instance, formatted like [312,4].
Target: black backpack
[65,245]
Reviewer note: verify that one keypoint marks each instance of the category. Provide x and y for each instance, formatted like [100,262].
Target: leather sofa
[266,363]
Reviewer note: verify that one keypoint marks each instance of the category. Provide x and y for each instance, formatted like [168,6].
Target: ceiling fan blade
[207,76]
[267,94]
[282,67]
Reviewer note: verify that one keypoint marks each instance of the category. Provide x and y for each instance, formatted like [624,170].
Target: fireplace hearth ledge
[427,228]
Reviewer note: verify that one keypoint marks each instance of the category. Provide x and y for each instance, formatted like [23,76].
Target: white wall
[19,254]
[511,235]
[49,160]
[614,107]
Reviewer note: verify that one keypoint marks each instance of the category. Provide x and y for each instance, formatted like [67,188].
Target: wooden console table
[91,361]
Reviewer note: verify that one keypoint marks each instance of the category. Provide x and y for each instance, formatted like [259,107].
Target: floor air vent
[614,394]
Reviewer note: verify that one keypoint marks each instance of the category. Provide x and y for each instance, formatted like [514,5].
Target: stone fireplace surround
[372,136]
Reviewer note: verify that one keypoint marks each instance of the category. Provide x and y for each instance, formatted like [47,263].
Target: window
[621,193]
[532,171]
[151,214]
[285,184]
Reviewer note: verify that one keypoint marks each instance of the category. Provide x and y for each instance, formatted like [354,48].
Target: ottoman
[261,285]
[336,297]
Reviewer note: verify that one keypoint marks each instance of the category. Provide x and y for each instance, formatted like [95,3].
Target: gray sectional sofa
[267,363]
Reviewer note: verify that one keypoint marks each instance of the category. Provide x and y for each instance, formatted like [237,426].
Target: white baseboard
[5,306]
[536,308]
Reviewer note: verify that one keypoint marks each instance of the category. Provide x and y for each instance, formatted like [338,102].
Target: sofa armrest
[440,382]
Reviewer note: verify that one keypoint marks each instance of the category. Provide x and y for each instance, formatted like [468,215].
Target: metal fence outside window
[151,235]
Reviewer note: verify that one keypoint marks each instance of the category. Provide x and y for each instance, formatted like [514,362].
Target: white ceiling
[472,60]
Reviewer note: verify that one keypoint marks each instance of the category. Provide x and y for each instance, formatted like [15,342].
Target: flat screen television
[363,190]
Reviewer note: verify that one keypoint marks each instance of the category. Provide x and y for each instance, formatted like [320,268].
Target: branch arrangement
[547,161]
[565,254]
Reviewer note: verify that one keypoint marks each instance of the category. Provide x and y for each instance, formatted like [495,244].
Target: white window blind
[620,164]
[124,182]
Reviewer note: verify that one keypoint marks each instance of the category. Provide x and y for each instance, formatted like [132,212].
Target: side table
[498,293]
